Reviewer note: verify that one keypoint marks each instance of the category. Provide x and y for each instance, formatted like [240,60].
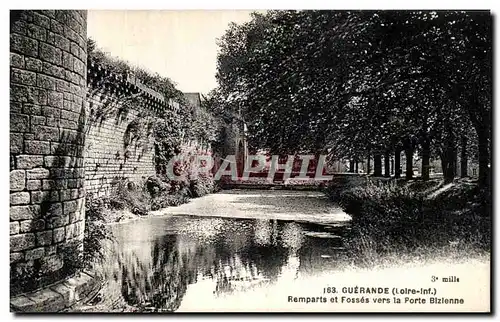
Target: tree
[356,83]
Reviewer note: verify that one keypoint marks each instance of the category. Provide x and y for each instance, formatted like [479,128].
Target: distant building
[194,99]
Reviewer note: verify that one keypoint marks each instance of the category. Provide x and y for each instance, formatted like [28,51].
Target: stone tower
[48,79]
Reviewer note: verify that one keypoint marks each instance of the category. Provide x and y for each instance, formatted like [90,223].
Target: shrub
[156,186]
[340,184]
[400,219]
[96,230]
[128,195]
[169,200]
[381,202]
[202,186]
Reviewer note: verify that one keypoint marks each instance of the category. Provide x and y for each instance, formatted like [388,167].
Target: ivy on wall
[171,128]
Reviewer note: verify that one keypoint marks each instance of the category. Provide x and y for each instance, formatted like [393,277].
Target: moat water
[247,251]
[157,263]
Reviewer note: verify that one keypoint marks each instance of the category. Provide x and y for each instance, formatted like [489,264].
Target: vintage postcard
[250,161]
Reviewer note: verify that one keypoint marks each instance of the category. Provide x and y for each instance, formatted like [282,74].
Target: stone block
[67,124]
[56,222]
[48,184]
[24,77]
[36,32]
[32,225]
[24,212]
[56,26]
[17,180]
[22,242]
[16,60]
[46,300]
[41,20]
[35,253]
[53,70]
[50,54]
[79,67]
[55,209]
[21,93]
[23,45]
[32,109]
[55,99]
[37,120]
[29,136]
[81,285]
[16,257]
[46,82]
[44,196]
[41,96]
[29,161]
[67,60]
[53,122]
[14,228]
[38,173]
[51,112]
[50,250]
[44,238]
[33,185]
[19,198]
[19,122]
[33,64]
[59,235]
[21,303]
[16,143]
[46,133]
[71,231]
[62,86]
[70,206]
[35,147]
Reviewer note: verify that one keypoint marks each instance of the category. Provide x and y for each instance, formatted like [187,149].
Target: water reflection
[155,261]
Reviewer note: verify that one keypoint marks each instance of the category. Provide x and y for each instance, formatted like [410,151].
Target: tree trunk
[368,165]
[484,157]
[463,158]
[377,164]
[351,166]
[426,154]
[397,163]
[448,159]
[409,163]
[356,166]
[387,169]
[455,162]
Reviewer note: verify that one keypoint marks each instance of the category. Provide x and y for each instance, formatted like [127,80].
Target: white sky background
[180,45]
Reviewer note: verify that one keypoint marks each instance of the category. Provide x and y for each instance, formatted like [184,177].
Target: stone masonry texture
[48,83]
[67,138]
[111,153]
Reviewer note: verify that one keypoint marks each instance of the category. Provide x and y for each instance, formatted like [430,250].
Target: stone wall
[75,128]
[120,140]
[48,72]
[112,152]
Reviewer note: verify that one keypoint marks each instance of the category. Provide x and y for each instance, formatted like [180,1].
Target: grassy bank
[399,219]
[129,199]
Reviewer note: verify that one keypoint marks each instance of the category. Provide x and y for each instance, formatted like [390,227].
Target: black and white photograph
[210,161]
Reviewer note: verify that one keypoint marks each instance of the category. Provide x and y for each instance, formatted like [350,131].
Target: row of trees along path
[361,83]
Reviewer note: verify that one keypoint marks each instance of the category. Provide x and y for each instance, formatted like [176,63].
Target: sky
[180,45]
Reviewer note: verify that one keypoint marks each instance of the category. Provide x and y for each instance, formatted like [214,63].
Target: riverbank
[399,219]
[231,245]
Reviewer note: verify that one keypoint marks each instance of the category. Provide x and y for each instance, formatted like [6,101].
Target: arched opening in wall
[240,158]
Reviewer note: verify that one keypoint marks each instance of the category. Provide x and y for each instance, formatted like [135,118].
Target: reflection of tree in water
[259,259]
[155,275]
[160,284]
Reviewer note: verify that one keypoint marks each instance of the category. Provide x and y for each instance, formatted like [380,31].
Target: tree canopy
[359,82]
